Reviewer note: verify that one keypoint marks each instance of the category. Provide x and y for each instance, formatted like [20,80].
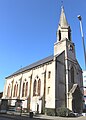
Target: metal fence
[11,105]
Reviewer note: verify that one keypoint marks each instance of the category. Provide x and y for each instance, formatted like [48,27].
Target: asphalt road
[17,117]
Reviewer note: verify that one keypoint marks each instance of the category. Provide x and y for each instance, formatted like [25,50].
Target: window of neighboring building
[49,74]
[85,76]
[72,75]
[34,88]
[84,92]
[48,91]
[85,99]
[39,87]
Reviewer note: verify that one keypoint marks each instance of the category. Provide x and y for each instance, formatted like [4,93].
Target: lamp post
[80,19]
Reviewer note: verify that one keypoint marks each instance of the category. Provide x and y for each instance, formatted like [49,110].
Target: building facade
[84,87]
[51,83]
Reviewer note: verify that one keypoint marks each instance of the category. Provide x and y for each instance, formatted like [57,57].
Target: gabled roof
[40,62]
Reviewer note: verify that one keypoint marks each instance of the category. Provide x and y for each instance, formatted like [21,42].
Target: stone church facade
[51,83]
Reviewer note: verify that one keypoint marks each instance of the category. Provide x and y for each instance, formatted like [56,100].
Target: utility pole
[80,20]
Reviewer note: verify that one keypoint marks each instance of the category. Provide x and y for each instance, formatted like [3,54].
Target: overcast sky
[28,31]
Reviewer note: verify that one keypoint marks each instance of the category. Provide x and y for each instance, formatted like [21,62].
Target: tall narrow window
[48,91]
[59,35]
[8,91]
[23,90]
[34,88]
[39,87]
[14,90]
[26,91]
[49,74]
[72,75]
[69,34]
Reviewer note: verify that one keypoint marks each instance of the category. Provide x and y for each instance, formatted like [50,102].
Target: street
[17,117]
[3,118]
[39,117]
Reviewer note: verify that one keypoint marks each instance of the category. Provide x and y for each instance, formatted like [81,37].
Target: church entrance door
[77,100]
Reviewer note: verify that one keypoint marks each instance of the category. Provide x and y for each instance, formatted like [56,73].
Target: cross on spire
[62,3]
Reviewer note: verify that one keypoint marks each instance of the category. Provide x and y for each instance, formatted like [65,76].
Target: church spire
[63,21]
[64,30]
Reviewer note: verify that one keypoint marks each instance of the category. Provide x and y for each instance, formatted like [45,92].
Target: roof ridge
[37,63]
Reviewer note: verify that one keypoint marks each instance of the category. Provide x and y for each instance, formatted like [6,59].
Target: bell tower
[64,41]
[71,69]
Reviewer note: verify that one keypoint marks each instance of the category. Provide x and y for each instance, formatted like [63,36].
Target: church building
[50,83]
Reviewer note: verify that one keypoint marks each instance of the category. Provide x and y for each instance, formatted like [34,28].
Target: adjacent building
[84,86]
[50,83]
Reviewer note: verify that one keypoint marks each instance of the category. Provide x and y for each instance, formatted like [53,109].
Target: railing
[11,105]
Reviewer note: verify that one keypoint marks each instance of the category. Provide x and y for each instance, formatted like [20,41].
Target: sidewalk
[47,117]
[26,116]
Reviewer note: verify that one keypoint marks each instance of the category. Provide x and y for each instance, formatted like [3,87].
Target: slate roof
[40,62]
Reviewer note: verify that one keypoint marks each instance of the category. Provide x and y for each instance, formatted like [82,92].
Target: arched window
[72,75]
[14,90]
[39,87]
[8,91]
[34,88]
[59,35]
[69,34]
[23,90]
[26,91]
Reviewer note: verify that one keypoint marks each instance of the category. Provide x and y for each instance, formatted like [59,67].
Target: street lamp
[80,19]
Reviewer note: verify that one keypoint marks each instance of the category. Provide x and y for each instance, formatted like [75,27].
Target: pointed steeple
[63,21]
[64,30]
